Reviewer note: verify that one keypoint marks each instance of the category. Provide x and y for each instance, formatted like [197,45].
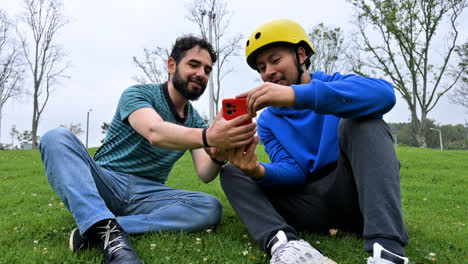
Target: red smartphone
[234,107]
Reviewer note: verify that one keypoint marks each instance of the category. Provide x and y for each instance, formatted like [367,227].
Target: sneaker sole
[70,244]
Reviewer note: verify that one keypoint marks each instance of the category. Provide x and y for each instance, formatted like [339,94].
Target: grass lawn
[35,227]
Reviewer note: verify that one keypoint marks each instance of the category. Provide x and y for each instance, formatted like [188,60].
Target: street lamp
[87,126]
[440,137]
[395,139]
[13,129]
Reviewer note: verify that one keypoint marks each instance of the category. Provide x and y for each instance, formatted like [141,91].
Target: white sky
[104,35]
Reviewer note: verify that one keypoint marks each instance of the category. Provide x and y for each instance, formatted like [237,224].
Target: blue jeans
[92,193]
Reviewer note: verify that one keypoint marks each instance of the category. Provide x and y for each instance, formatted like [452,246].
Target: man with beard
[122,190]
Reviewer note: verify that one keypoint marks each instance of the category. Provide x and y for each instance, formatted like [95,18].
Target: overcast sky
[103,36]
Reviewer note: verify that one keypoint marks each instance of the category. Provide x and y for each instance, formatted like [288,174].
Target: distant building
[27,146]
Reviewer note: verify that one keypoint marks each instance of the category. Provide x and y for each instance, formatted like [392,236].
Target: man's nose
[202,73]
[269,72]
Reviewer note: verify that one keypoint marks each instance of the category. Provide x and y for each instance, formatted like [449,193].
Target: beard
[181,85]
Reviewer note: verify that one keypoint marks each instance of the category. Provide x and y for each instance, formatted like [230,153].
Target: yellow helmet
[274,32]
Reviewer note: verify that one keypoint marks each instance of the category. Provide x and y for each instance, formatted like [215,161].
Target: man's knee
[362,127]
[230,171]
[53,136]
[213,211]
[230,176]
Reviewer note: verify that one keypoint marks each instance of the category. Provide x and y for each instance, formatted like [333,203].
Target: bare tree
[200,13]
[330,49]
[404,50]
[153,64]
[11,64]
[74,128]
[461,93]
[43,20]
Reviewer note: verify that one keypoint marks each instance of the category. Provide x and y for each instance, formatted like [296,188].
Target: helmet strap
[299,67]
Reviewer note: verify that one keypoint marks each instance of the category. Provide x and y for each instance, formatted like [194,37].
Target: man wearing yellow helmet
[333,164]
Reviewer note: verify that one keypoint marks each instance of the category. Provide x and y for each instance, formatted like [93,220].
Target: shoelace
[288,253]
[283,254]
[106,236]
[315,255]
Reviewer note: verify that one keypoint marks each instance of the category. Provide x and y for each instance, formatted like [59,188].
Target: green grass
[34,226]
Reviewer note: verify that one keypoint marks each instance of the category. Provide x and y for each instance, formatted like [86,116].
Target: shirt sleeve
[345,96]
[133,98]
[283,171]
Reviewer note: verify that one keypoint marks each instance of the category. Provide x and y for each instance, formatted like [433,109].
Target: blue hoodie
[303,139]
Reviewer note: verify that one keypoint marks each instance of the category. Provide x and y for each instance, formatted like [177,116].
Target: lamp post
[440,137]
[396,139]
[13,129]
[466,135]
[87,126]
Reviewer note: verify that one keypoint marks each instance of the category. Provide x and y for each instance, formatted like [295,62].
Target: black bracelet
[220,163]
[205,142]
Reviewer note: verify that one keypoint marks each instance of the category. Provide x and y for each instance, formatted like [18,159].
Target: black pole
[87,128]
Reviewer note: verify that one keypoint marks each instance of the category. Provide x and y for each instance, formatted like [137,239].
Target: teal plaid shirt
[124,150]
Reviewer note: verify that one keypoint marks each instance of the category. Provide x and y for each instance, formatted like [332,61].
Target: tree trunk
[216,99]
[35,121]
[418,127]
[1,107]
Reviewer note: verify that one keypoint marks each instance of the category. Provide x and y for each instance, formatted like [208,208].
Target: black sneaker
[77,241]
[115,244]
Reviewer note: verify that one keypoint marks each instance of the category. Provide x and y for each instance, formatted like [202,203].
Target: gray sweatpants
[359,194]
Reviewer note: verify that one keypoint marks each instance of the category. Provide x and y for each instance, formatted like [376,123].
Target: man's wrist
[220,163]
[258,172]
[204,138]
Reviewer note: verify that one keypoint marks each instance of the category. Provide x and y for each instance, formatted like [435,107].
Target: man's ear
[302,54]
[171,65]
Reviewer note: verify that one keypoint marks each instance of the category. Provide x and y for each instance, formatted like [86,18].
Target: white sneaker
[298,251]
[383,256]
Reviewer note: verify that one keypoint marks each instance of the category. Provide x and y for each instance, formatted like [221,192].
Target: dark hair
[187,42]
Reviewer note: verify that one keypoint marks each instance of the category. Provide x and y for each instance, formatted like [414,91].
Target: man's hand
[246,160]
[268,94]
[223,134]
